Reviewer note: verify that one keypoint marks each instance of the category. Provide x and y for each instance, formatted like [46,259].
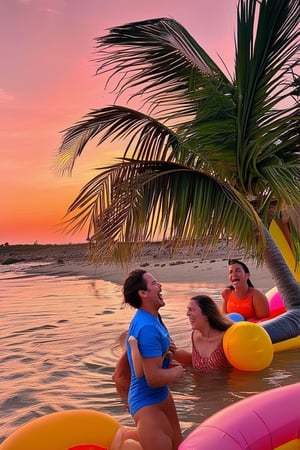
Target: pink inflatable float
[269,421]
[276,305]
[276,302]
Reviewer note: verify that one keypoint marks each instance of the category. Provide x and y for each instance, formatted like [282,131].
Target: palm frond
[159,60]
[143,136]
[135,201]
[264,72]
[210,154]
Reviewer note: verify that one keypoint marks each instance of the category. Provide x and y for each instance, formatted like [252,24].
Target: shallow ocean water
[60,340]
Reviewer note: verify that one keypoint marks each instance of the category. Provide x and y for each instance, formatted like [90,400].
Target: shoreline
[184,267]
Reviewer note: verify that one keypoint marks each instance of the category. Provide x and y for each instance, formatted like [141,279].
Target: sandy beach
[72,259]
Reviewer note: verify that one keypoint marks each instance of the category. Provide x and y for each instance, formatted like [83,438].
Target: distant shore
[72,260]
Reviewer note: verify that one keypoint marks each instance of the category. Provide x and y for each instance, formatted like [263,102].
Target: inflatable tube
[65,430]
[285,249]
[276,303]
[269,420]
[289,344]
[283,327]
[248,346]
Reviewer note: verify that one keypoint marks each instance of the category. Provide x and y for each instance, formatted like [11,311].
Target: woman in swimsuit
[241,296]
[208,328]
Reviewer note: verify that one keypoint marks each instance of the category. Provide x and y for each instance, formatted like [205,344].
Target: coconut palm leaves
[204,155]
[262,62]
[140,209]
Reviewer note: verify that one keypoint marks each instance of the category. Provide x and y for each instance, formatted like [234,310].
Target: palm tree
[206,155]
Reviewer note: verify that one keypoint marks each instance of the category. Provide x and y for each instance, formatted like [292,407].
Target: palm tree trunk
[284,280]
[287,325]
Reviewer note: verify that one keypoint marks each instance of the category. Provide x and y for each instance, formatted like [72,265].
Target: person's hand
[172,347]
[177,371]
[169,355]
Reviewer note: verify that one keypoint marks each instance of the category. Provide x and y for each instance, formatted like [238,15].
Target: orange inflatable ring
[64,430]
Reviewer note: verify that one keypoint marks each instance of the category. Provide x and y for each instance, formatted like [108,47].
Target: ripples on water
[60,339]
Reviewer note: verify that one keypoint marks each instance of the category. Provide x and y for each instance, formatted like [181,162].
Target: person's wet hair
[237,261]
[134,282]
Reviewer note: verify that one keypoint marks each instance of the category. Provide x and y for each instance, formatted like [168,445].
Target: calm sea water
[60,340]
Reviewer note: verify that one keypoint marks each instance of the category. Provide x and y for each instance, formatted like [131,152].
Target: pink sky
[47,83]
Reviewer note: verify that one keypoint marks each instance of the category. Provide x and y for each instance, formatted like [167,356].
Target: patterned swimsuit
[216,360]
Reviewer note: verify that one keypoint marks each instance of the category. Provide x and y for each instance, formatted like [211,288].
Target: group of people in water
[152,361]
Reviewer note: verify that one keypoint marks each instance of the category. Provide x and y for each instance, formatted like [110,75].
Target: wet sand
[184,267]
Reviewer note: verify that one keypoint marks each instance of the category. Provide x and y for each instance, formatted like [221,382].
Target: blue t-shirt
[153,340]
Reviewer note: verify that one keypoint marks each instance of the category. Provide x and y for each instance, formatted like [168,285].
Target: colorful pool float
[65,430]
[286,326]
[282,325]
[285,249]
[250,346]
[269,421]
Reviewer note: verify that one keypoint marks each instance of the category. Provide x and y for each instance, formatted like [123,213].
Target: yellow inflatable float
[248,346]
[255,422]
[285,249]
[251,346]
[65,430]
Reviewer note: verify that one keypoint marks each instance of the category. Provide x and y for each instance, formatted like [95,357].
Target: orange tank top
[243,306]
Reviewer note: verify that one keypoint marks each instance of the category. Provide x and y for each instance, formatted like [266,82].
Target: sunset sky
[47,83]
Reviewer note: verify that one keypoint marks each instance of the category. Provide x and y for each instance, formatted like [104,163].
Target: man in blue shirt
[150,401]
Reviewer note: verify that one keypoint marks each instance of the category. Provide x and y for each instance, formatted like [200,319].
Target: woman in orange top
[241,296]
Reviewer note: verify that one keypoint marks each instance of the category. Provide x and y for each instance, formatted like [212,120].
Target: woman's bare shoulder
[226,291]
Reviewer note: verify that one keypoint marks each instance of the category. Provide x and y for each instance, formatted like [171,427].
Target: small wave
[33,329]
[19,270]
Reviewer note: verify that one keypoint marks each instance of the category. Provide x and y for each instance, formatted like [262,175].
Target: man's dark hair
[134,282]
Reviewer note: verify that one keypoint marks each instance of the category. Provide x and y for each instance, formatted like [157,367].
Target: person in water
[241,296]
[149,398]
[208,328]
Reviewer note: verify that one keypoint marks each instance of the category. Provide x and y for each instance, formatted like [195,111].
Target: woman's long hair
[210,309]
